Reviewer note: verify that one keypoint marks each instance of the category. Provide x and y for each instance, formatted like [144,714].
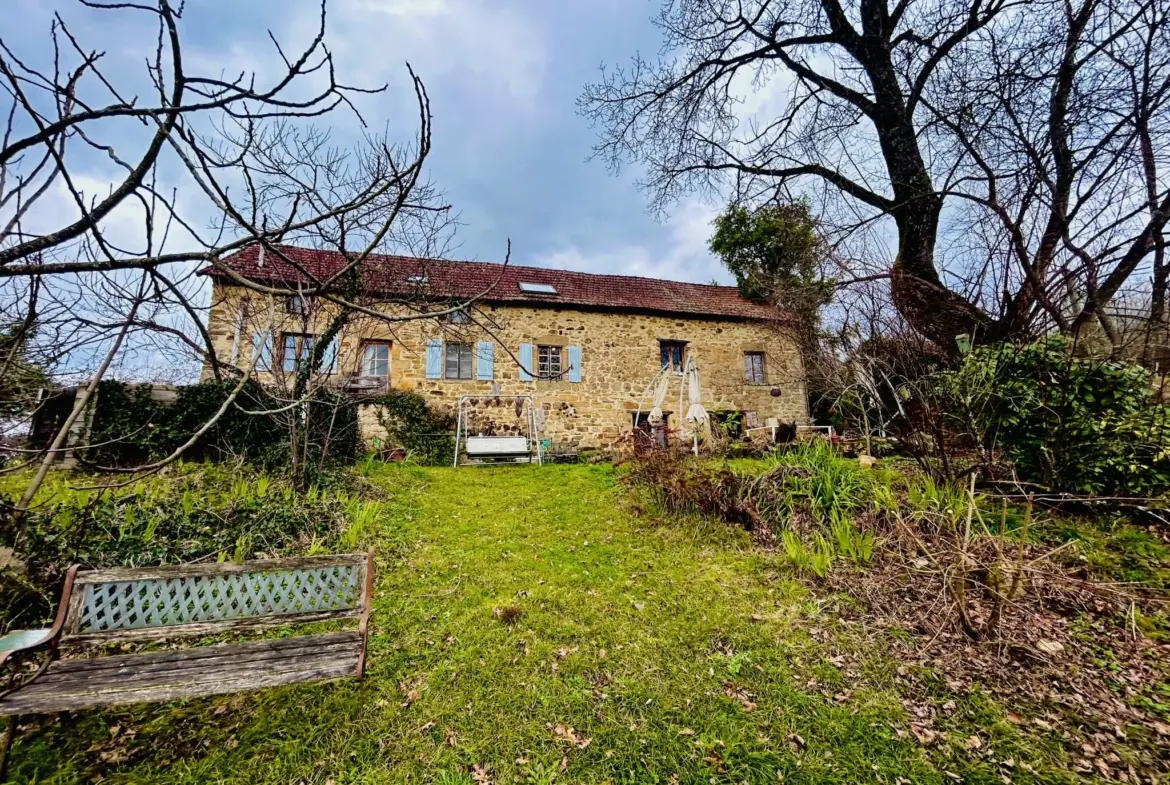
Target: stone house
[585,346]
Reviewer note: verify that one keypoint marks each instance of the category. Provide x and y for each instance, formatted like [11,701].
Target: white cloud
[685,255]
[477,42]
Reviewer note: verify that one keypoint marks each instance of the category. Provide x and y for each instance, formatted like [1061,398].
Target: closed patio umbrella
[696,415]
[660,391]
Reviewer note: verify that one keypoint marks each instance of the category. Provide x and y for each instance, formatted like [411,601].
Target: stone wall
[619,357]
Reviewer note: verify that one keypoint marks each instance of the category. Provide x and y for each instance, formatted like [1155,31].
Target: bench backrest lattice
[207,598]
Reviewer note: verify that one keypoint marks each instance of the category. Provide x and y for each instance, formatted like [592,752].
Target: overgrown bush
[1069,423]
[426,433]
[128,427]
[202,511]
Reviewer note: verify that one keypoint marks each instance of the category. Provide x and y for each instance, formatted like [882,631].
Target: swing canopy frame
[485,450]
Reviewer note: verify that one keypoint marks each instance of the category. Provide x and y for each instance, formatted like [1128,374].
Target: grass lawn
[531,626]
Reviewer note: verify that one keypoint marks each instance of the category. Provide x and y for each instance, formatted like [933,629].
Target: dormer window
[537,288]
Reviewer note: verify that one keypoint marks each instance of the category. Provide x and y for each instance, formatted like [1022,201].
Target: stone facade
[619,356]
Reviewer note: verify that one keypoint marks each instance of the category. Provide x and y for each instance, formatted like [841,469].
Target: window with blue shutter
[329,358]
[574,363]
[262,350]
[434,358]
[484,351]
[525,358]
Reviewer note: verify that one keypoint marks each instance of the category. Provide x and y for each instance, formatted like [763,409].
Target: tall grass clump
[813,477]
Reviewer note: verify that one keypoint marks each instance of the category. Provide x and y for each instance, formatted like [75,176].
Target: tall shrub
[427,433]
[1070,423]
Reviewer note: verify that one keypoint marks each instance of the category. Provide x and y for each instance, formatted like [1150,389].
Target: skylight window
[417,279]
[537,288]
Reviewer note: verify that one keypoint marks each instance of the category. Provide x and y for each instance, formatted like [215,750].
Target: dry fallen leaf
[1049,647]
[568,734]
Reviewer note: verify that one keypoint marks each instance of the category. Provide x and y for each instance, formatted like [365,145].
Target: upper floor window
[459,317]
[753,368]
[296,349]
[298,305]
[548,362]
[457,363]
[376,358]
[672,354]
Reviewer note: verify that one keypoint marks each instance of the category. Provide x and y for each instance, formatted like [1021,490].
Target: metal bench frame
[191,601]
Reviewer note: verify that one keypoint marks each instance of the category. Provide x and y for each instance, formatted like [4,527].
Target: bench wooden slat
[49,703]
[106,668]
[199,672]
[210,628]
[208,676]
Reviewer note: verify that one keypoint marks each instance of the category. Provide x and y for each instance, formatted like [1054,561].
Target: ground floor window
[647,434]
[458,361]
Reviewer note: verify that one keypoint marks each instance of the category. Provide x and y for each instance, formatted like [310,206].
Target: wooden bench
[198,600]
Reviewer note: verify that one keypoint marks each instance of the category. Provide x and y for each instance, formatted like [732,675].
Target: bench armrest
[24,640]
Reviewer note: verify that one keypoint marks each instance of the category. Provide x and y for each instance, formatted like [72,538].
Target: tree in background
[1016,150]
[777,255]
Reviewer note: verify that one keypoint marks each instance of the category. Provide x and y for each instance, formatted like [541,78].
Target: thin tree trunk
[79,406]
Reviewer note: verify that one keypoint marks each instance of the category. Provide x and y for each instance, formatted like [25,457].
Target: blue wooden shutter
[434,358]
[262,350]
[329,357]
[574,363]
[525,358]
[483,369]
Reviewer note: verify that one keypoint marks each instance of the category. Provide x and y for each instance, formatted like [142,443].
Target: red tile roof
[496,283]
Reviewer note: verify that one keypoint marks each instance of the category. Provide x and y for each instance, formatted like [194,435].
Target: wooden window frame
[750,376]
[299,351]
[362,358]
[460,346]
[666,359]
[303,305]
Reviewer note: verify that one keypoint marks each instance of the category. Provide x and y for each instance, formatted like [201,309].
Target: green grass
[678,651]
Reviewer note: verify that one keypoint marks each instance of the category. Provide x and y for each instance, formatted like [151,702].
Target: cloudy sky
[503,75]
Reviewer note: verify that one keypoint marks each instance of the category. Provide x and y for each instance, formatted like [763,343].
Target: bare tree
[1017,147]
[204,166]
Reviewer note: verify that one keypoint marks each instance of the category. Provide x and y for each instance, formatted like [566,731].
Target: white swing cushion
[497,445]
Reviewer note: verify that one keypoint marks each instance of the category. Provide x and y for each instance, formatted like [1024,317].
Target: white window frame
[550,361]
[370,360]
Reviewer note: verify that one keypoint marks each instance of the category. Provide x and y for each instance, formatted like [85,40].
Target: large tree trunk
[918,292]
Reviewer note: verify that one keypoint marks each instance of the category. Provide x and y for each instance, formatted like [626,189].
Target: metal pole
[458,428]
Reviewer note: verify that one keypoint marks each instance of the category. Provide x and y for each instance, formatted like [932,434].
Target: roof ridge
[388,273]
[514,266]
